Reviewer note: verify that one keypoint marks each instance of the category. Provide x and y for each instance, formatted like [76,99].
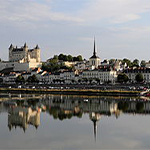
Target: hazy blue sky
[121,27]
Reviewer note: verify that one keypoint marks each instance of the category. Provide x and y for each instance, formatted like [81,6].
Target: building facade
[103,75]
[132,72]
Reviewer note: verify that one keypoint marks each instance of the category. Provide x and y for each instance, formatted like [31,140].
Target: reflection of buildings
[94,105]
[22,117]
[66,107]
[104,106]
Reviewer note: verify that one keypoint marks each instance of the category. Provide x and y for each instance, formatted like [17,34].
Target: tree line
[56,63]
[134,63]
[123,78]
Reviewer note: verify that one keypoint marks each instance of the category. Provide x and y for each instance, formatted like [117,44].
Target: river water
[74,122]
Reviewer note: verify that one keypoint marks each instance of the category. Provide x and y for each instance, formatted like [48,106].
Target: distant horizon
[69,54]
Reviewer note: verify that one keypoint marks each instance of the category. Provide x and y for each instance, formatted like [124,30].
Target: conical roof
[94,52]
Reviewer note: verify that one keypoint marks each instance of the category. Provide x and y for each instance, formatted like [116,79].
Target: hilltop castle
[22,59]
[24,55]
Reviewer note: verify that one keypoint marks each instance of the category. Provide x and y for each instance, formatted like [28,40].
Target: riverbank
[71,92]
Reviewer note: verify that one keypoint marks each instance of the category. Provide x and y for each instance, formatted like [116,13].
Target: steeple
[94,53]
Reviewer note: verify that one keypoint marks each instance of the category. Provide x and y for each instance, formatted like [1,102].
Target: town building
[101,75]
[132,72]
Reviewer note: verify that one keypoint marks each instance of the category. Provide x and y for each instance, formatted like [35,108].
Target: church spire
[94,53]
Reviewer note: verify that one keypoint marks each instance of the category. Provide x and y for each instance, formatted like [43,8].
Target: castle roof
[25,45]
[11,46]
[17,49]
[37,47]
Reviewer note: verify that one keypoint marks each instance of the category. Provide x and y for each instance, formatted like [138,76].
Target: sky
[121,27]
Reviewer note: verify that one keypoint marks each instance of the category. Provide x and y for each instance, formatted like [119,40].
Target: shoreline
[89,92]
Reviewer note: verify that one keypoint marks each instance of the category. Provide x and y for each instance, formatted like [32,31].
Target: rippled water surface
[74,122]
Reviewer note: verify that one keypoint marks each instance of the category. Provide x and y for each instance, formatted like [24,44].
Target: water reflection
[26,111]
[19,116]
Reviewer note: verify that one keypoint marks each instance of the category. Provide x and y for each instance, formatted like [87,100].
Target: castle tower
[94,60]
[38,51]
[25,49]
[11,47]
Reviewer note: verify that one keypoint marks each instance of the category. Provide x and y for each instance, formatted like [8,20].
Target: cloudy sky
[121,27]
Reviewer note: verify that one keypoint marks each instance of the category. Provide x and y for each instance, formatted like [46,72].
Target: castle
[24,55]
[22,59]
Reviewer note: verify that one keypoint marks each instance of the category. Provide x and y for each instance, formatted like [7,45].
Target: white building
[80,66]
[132,72]
[67,76]
[10,79]
[103,75]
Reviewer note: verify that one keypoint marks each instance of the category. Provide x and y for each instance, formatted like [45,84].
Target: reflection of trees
[123,106]
[29,102]
[139,107]
[32,102]
[60,114]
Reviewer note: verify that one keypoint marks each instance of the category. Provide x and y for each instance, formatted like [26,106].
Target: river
[74,122]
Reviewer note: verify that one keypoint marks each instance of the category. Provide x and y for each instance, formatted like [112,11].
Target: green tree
[55,57]
[32,79]
[97,80]
[135,63]
[75,59]
[20,79]
[79,58]
[143,63]
[139,77]
[45,67]
[111,61]
[51,65]
[122,78]
[127,61]
[70,58]
[61,56]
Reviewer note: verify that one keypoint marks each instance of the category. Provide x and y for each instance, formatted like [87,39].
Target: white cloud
[115,11]
[31,11]
[93,11]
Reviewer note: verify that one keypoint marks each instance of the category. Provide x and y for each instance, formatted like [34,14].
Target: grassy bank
[71,91]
